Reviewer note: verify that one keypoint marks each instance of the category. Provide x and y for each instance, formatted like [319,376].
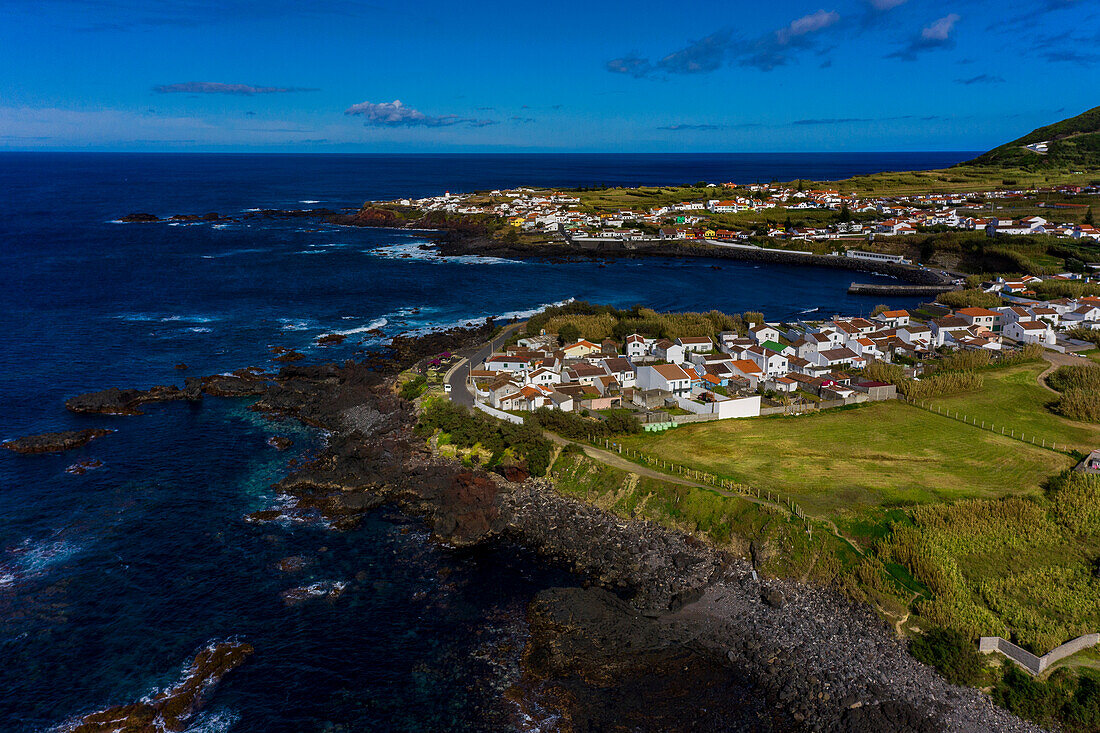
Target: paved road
[473,356]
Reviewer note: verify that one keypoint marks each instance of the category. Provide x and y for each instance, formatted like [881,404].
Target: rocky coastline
[670,634]
[460,238]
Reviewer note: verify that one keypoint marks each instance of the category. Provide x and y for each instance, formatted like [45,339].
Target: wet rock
[139,218]
[280,442]
[331,339]
[594,663]
[82,467]
[328,590]
[292,564]
[290,355]
[181,367]
[172,709]
[55,442]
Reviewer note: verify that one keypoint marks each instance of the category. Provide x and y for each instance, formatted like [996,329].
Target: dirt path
[1055,360]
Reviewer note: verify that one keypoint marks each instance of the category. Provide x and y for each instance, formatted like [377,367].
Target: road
[459,394]
[1056,359]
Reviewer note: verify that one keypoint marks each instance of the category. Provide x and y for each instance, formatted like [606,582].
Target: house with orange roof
[668,377]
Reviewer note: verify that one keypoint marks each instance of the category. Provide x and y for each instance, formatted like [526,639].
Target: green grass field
[840,462]
[729,522]
[1012,397]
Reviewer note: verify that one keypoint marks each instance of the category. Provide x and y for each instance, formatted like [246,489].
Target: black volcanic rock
[115,401]
[55,442]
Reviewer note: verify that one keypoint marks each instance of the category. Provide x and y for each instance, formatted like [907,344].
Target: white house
[763,333]
[665,376]
[1030,332]
[699,344]
[621,369]
[670,352]
[636,346]
[770,362]
[894,319]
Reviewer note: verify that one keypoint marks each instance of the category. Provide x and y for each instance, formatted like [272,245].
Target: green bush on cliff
[573,426]
[467,429]
[950,652]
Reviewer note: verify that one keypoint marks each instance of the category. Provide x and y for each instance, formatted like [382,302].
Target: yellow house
[581,348]
[517,221]
[709,234]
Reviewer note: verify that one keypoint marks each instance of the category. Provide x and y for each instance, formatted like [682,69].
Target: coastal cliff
[670,626]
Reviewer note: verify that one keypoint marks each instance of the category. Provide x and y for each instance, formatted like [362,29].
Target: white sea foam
[810,310]
[200,329]
[310,201]
[213,721]
[295,324]
[158,318]
[533,311]
[234,253]
[378,323]
[414,251]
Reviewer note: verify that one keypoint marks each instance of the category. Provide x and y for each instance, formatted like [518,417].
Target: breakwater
[457,243]
[911,289]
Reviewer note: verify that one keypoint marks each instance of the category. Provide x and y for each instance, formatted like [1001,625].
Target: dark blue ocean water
[110,581]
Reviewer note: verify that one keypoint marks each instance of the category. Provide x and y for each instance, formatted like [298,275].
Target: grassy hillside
[1074,143]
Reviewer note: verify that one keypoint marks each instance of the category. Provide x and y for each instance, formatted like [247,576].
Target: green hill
[1071,144]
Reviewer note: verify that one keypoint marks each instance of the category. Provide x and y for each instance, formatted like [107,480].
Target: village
[773,367]
[565,214]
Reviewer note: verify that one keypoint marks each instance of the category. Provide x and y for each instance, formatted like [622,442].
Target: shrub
[1085,334]
[1078,404]
[467,429]
[569,333]
[1076,500]
[937,385]
[951,653]
[573,426]
[1028,698]
[1051,289]
[969,299]
[414,387]
[1075,376]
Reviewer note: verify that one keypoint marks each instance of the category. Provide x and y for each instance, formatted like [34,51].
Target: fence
[499,414]
[709,479]
[814,406]
[1031,663]
[1035,440]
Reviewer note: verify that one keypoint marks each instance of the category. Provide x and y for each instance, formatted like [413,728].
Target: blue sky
[433,76]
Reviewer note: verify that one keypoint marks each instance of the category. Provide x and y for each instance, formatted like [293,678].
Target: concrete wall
[734,407]
[1031,663]
[514,419]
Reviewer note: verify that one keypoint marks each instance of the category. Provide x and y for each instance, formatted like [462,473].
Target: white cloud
[941,29]
[807,24]
[397,114]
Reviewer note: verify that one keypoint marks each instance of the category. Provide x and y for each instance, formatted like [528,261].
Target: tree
[881,308]
[1088,216]
[569,333]
[801,187]
[845,214]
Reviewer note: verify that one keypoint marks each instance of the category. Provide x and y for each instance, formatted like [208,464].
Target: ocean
[110,581]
